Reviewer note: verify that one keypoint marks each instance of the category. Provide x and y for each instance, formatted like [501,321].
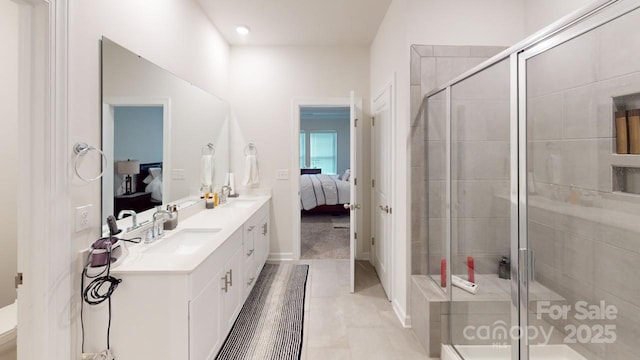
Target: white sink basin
[243,204]
[184,242]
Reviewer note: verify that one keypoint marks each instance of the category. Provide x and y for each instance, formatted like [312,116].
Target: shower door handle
[523,267]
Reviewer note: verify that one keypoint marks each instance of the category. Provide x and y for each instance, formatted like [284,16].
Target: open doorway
[138,157]
[325,170]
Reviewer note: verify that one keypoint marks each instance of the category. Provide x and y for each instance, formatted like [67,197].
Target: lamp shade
[129,167]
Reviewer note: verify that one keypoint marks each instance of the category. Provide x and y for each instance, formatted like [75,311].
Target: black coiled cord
[93,295]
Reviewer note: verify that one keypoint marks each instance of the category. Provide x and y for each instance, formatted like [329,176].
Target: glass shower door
[480,319]
[581,236]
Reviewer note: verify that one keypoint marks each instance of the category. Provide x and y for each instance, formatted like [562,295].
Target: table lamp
[128,168]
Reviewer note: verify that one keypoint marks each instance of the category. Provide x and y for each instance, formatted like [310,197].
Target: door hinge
[373,183]
[373,241]
[355,235]
[355,181]
[373,121]
[390,210]
[18,279]
[355,122]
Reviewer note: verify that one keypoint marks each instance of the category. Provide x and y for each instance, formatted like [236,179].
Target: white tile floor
[339,325]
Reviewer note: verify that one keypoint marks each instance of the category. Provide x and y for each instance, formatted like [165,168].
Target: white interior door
[381,172]
[353,195]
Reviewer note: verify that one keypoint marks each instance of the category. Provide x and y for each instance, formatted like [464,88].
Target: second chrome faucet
[157,230]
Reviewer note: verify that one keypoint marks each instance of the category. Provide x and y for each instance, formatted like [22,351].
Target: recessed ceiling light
[242,30]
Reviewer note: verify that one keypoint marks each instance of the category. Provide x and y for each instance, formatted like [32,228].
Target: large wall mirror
[159,132]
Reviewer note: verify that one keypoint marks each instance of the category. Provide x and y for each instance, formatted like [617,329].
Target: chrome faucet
[134,219]
[156,230]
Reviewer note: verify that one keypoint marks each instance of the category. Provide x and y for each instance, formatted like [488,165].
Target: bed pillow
[153,174]
[345,175]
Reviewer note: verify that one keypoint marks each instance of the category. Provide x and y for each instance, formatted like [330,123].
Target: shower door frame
[564,30]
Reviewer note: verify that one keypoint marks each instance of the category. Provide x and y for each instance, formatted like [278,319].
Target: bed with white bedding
[321,189]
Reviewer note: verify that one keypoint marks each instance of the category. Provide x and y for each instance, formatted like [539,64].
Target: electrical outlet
[83,217]
[282,174]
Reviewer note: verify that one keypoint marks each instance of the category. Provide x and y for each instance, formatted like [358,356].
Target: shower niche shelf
[625,157]
[626,124]
[626,180]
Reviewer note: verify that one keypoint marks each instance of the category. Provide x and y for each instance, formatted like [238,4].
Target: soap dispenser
[172,222]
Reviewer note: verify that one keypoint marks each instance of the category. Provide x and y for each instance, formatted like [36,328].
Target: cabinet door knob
[251,228]
[250,281]
[250,252]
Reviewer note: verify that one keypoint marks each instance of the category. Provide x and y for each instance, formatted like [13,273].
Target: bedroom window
[303,147]
[323,151]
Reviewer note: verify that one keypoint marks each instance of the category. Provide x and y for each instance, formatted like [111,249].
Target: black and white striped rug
[271,321]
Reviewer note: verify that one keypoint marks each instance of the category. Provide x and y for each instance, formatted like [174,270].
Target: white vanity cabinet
[216,298]
[165,308]
[255,245]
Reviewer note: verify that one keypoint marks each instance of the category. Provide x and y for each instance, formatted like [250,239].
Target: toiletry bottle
[216,199]
[471,276]
[174,210]
[504,268]
[209,201]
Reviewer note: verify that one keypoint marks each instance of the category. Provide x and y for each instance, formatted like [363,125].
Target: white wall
[8,148]
[264,81]
[174,34]
[389,56]
[132,123]
[540,13]
[465,22]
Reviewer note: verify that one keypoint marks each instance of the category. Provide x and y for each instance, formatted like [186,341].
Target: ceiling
[297,22]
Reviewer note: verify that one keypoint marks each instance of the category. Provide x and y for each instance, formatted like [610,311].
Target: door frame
[391,86]
[108,122]
[296,104]
[45,307]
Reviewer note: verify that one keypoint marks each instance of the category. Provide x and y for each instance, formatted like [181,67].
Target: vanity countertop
[227,218]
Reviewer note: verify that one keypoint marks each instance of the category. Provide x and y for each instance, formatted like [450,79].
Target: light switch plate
[178,174]
[282,174]
[83,217]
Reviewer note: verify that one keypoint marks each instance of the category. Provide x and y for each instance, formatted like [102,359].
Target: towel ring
[250,149]
[81,149]
[208,149]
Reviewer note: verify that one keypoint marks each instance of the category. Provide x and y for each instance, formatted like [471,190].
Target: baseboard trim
[363,257]
[285,256]
[405,320]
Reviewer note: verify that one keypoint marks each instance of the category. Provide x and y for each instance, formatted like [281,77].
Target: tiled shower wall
[431,67]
